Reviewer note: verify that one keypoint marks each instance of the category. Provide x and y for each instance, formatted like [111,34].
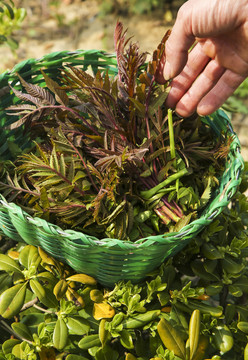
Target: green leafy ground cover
[193,307]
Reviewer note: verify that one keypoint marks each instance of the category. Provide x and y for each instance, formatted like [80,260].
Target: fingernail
[167,71]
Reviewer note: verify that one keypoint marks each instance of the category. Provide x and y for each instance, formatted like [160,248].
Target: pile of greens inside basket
[108,158]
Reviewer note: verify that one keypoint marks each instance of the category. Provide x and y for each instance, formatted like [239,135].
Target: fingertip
[205,109]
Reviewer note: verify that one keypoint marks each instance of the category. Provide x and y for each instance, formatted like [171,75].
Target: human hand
[206,76]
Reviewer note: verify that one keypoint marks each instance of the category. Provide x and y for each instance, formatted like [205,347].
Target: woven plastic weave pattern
[108,260]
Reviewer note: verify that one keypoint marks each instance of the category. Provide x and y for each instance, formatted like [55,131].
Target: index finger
[178,44]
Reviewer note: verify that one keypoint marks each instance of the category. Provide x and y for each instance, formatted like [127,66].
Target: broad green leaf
[106,353]
[243,326]
[194,332]
[93,350]
[9,344]
[83,278]
[60,334]
[171,338]
[29,256]
[202,347]
[37,289]
[126,339]
[60,289]
[5,281]
[235,290]
[96,295]
[10,10]
[246,352]
[18,352]
[47,259]
[47,277]
[22,330]
[211,252]
[89,341]
[12,300]
[44,294]
[223,338]
[33,319]
[130,357]
[214,289]
[242,283]
[215,311]
[232,266]
[77,325]
[141,319]
[75,357]
[47,354]
[103,333]
[8,264]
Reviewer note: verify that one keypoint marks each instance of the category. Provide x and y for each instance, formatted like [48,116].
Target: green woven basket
[108,260]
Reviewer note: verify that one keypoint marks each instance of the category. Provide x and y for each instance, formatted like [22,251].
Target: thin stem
[147,119]
[171,137]
[43,310]
[147,194]
[29,304]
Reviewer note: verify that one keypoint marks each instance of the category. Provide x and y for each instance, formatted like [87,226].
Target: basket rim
[234,158]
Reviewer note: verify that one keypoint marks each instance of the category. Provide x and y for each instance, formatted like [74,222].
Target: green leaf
[130,357]
[246,352]
[223,338]
[126,339]
[60,289]
[96,295]
[22,330]
[5,281]
[106,353]
[158,102]
[29,256]
[103,332]
[83,278]
[8,264]
[9,344]
[171,338]
[48,278]
[215,311]
[18,352]
[75,357]
[60,334]
[12,300]
[44,294]
[37,289]
[231,266]
[141,319]
[194,332]
[10,10]
[243,326]
[89,341]
[77,325]
[211,252]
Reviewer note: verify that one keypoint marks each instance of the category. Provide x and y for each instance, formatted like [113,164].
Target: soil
[57,25]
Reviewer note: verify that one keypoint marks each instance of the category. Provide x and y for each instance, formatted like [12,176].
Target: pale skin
[205,77]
